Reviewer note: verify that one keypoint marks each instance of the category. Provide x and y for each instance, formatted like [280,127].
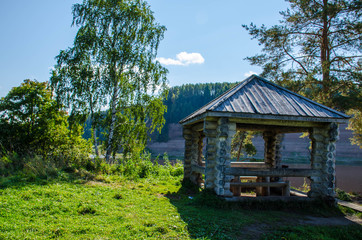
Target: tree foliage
[242,144]
[116,44]
[183,100]
[355,124]
[31,123]
[316,50]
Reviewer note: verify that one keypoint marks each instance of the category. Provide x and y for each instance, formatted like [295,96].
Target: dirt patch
[330,221]
[256,230]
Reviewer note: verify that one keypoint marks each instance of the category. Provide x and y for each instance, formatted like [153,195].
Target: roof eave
[264,116]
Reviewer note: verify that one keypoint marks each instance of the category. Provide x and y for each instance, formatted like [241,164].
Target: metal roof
[256,95]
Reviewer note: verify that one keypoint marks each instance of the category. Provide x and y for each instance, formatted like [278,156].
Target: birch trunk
[113,122]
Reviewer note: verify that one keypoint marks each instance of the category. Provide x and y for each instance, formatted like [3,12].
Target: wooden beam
[260,165]
[259,184]
[273,128]
[270,199]
[273,172]
[198,127]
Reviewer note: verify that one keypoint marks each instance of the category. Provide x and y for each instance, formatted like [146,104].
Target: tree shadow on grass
[22,180]
[210,217]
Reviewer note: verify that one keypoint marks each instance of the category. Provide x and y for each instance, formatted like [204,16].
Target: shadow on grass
[22,180]
[210,217]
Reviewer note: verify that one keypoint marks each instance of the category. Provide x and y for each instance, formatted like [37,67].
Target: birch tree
[118,41]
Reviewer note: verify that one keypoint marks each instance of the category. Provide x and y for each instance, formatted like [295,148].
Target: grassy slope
[116,208]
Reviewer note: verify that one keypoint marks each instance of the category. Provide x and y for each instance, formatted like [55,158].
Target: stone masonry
[323,159]
[210,155]
[225,132]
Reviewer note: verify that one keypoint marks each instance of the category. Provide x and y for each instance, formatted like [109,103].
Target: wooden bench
[263,187]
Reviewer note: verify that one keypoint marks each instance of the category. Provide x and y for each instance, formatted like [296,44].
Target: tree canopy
[112,65]
[316,50]
[31,123]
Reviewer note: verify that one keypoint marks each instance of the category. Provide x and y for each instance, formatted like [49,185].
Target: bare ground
[255,231]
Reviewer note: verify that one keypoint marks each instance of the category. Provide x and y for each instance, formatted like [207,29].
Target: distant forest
[185,99]
[181,101]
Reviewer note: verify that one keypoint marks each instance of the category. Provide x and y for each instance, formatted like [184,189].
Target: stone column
[225,132]
[210,155]
[191,150]
[323,159]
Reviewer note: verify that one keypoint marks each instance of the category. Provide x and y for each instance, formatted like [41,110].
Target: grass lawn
[112,207]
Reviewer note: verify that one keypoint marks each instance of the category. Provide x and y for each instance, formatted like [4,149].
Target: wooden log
[198,169]
[270,198]
[251,178]
[260,165]
[286,189]
[259,184]
[265,185]
[279,172]
[236,190]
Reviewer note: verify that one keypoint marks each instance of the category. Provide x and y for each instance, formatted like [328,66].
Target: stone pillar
[191,150]
[225,132]
[323,159]
[210,155]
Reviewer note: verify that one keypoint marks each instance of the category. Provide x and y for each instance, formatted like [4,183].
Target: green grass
[154,208]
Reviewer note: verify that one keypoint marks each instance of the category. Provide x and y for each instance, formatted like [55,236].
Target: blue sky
[204,41]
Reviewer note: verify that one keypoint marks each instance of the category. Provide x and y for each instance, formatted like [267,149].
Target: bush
[40,167]
[342,195]
[35,134]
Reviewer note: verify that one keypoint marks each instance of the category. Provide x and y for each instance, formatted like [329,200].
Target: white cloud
[248,74]
[183,59]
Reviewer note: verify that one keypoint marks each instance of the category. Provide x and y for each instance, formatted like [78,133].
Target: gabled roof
[257,96]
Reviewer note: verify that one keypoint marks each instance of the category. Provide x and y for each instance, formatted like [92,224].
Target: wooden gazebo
[259,105]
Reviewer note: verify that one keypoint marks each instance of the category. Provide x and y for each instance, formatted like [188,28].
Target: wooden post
[269,148]
[278,150]
[270,145]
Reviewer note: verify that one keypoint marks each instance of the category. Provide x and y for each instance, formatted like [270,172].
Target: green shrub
[342,195]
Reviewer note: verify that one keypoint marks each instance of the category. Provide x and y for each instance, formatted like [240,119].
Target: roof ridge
[308,107]
[235,89]
[304,98]
[219,97]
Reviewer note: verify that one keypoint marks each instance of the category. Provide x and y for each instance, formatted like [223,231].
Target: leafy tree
[77,84]
[242,142]
[31,123]
[316,50]
[355,124]
[117,41]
